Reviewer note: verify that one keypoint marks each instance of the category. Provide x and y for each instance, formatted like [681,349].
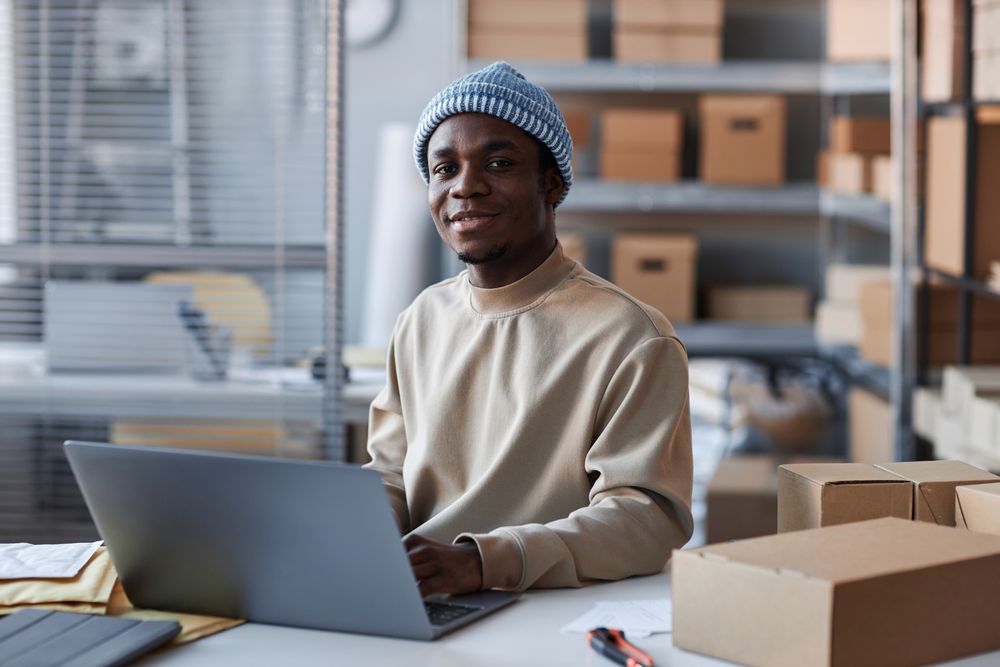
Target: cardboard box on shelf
[823,168]
[858,30]
[530,15]
[961,384]
[773,303]
[826,494]
[574,246]
[860,134]
[882,177]
[871,426]
[668,13]
[984,423]
[578,122]
[844,281]
[850,173]
[838,323]
[977,508]
[884,592]
[934,483]
[943,39]
[742,139]
[944,232]
[658,269]
[927,407]
[666,46]
[524,44]
[641,144]
[985,22]
[986,76]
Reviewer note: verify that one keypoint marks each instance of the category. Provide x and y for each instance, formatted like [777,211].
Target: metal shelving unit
[864,210]
[162,256]
[759,341]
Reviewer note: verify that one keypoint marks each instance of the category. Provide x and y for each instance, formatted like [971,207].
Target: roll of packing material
[399,237]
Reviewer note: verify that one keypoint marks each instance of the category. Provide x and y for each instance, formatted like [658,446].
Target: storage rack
[967,285]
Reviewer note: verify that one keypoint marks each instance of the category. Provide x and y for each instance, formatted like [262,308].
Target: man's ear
[554,186]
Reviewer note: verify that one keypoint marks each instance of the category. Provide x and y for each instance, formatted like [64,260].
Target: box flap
[841,473]
[855,551]
[921,472]
[977,508]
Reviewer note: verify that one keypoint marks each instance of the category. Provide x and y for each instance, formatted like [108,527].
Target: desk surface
[525,633]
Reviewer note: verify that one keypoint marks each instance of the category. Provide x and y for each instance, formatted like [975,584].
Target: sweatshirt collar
[518,296]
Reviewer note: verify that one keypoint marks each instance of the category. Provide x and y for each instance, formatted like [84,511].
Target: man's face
[490,202]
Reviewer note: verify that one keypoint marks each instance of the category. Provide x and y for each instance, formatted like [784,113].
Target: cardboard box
[759,304]
[669,13]
[943,39]
[882,186]
[578,123]
[826,494]
[985,22]
[823,168]
[838,323]
[664,46]
[860,134]
[977,508]
[858,30]
[850,173]
[986,76]
[742,498]
[574,246]
[885,592]
[927,407]
[658,269]
[984,423]
[742,139]
[872,428]
[641,144]
[961,384]
[529,15]
[844,281]
[944,234]
[524,44]
[934,483]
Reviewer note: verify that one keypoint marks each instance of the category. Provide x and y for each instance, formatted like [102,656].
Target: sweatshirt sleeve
[387,441]
[640,500]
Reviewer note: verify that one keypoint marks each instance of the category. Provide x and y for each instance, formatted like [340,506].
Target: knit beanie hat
[499,90]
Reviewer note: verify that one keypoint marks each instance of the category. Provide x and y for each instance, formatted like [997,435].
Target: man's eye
[444,169]
[500,162]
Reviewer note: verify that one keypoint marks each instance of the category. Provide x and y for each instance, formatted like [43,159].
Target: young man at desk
[534,430]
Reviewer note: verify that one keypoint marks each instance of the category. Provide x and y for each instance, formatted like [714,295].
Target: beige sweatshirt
[546,420]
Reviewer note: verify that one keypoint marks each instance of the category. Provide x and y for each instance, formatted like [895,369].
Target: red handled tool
[612,644]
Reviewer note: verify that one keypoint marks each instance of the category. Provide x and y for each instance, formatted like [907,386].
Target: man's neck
[491,275]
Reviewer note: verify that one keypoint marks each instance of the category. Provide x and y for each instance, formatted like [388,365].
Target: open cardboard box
[883,592]
[977,508]
[934,485]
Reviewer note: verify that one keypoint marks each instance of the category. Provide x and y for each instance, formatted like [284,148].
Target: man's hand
[452,569]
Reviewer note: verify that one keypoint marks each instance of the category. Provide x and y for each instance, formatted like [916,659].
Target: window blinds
[163,242]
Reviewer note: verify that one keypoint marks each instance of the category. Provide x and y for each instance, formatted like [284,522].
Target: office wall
[389,81]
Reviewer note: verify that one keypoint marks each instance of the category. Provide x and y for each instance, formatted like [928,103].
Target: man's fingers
[426,570]
[413,540]
[421,554]
[432,585]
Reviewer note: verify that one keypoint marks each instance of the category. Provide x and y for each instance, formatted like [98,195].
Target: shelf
[859,372]
[968,284]
[591,195]
[865,210]
[763,76]
[744,339]
[163,256]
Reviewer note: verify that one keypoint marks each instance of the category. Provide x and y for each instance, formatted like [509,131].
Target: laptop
[310,544]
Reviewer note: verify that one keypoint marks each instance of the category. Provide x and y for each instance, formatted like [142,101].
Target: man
[534,430]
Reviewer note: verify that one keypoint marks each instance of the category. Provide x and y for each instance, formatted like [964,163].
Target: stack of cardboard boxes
[944,231]
[528,30]
[858,159]
[682,31]
[658,269]
[641,144]
[840,586]
[986,50]
[963,418]
[858,30]
[838,316]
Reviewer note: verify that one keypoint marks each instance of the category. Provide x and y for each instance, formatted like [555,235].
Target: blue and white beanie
[499,90]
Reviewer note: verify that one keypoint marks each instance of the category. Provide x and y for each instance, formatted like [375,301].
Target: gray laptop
[310,544]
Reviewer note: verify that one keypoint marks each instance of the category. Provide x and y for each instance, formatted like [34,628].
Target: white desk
[525,633]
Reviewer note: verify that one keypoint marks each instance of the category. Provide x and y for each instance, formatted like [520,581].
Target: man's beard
[489,256]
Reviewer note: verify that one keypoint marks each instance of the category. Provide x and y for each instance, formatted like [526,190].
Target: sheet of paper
[637,618]
[44,561]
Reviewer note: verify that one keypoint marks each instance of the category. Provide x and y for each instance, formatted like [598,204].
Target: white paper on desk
[44,561]
[637,618]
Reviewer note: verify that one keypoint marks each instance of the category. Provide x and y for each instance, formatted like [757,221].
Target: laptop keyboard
[442,613]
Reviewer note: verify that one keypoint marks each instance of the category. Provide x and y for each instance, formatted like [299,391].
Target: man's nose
[469,182]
